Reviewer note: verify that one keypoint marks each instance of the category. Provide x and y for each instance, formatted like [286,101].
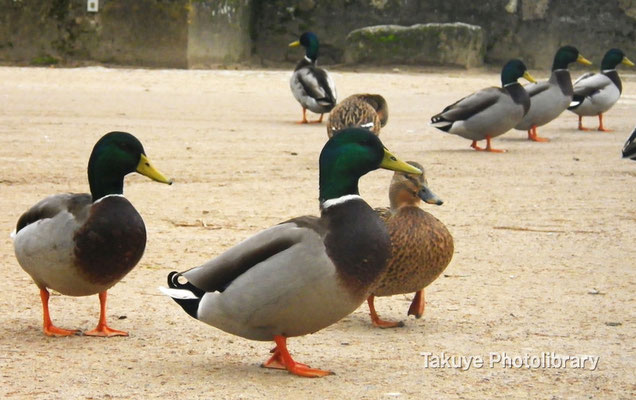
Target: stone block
[457,44]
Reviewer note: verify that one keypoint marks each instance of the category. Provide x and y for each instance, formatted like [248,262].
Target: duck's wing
[219,273]
[76,204]
[534,89]
[379,105]
[469,106]
[589,84]
[317,83]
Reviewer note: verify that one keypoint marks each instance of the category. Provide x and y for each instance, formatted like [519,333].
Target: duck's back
[422,248]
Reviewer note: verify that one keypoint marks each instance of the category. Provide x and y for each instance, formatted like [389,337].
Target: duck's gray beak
[429,197]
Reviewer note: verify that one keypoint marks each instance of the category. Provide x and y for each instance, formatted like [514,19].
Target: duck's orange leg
[318,121]
[490,149]
[283,360]
[50,329]
[375,318]
[304,121]
[418,304]
[102,328]
[532,135]
[600,124]
[581,127]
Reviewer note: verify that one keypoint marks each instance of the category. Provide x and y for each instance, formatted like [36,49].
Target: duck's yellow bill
[389,161]
[145,168]
[583,60]
[295,44]
[529,77]
[627,62]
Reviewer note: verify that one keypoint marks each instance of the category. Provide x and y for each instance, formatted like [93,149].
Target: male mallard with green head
[304,274]
[550,98]
[595,94]
[368,111]
[490,112]
[312,86]
[83,244]
[422,246]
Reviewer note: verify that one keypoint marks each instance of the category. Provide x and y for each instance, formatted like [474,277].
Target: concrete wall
[186,33]
[528,29]
[140,32]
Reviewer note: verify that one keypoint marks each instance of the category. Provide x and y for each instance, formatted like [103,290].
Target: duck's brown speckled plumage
[422,249]
[359,110]
[422,246]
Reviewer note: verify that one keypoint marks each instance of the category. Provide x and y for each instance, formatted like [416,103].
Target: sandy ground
[543,235]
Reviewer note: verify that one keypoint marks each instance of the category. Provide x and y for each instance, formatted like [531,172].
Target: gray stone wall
[187,33]
[219,32]
[140,32]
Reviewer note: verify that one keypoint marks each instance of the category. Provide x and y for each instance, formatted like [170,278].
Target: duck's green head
[114,156]
[614,57]
[566,55]
[513,70]
[350,154]
[309,41]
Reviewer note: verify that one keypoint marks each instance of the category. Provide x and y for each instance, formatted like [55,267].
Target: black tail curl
[190,306]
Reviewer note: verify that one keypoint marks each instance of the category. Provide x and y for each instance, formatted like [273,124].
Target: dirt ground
[544,238]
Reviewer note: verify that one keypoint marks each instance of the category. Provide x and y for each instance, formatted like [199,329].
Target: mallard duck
[595,94]
[368,111]
[422,246]
[312,86]
[490,112]
[629,150]
[548,99]
[306,273]
[83,244]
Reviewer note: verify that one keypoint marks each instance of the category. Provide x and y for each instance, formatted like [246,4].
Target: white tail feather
[13,234]
[178,293]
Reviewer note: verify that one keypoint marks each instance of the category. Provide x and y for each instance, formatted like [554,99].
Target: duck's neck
[613,75]
[337,188]
[103,180]
[562,78]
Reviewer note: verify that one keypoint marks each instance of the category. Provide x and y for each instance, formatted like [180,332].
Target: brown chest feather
[111,241]
[422,248]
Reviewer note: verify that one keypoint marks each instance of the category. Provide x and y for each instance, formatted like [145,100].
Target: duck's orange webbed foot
[105,331]
[490,149]
[281,359]
[102,329]
[304,120]
[534,136]
[318,121]
[581,127]
[53,330]
[601,128]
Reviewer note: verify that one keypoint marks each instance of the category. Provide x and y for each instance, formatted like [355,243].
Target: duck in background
[422,246]
[368,111]
[83,244]
[306,273]
[629,150]
[490,112]
[595,94]
[548,99]
[312,86]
